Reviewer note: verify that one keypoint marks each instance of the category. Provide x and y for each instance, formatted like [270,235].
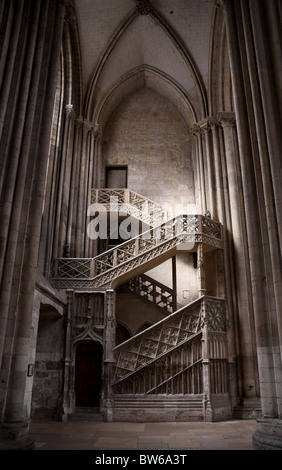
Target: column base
[25,444]
[107,407]
[268,435]
[14,436]
[248,408]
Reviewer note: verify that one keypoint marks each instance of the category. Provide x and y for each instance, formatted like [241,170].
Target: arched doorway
[88,374]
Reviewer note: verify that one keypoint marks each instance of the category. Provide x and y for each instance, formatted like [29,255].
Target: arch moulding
[144,76]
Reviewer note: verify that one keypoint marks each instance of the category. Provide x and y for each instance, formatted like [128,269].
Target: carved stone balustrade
[152,292]
[137,255]
[158,340]
[182,355]
[125,201]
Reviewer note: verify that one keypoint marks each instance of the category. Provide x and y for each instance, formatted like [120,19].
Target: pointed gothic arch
[144,76]
[99,82]
[220,85]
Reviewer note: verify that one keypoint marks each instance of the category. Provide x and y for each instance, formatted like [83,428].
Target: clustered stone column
[216,157]
[253,43]
[33,32]
[79,166]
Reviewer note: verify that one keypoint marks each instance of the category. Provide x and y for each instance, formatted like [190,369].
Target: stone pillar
[200,168]
[28,122]
[65,404]
[63,194]
[89,244]
[219,209]
[266,315]
[208,413]
[242,304]
[109,360]
[75,248]
[201,270]
[206,130]
[266,113]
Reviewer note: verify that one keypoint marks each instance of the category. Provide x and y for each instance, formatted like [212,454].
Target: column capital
[98,131]
[206,125]
[227,119]
[69,111]
[195,131]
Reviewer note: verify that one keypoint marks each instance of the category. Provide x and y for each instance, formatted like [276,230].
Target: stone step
[86,413]
[179,402]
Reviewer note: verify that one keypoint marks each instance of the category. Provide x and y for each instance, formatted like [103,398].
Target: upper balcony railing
[131,203]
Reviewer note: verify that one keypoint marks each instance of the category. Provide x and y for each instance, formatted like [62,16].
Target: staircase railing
[152,292]
[131,203]
[157,340]
[157,242]
[172,356]
[178,372]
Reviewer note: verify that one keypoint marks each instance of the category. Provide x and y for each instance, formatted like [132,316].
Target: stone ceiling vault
[166,49]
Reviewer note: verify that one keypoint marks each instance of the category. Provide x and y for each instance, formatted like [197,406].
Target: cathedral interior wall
[48,365]
[221,154]
[148,135]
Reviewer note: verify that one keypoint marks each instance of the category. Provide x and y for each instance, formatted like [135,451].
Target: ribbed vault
[145,51]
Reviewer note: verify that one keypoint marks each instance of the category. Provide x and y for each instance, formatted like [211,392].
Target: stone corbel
[195,131]
[98,132]
[207,124]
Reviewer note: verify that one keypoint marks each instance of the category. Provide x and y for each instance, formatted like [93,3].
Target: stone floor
[84,435]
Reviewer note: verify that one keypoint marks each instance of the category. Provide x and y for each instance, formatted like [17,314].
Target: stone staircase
[174,368]
[137,255]
[127,202]
[162,370]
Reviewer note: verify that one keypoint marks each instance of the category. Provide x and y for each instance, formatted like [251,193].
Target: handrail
[160,322]
[111,264]
[98,197]
[126,200]
[151,344]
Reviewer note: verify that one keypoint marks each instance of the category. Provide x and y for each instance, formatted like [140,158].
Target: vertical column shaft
[36,150]
[257,268]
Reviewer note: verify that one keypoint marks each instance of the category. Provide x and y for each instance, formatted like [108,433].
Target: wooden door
[88,370]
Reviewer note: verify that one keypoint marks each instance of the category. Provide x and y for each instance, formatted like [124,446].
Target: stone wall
[48,365]
[149,136]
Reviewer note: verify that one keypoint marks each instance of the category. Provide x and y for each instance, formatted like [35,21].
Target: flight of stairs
[137,255]
[163,369]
